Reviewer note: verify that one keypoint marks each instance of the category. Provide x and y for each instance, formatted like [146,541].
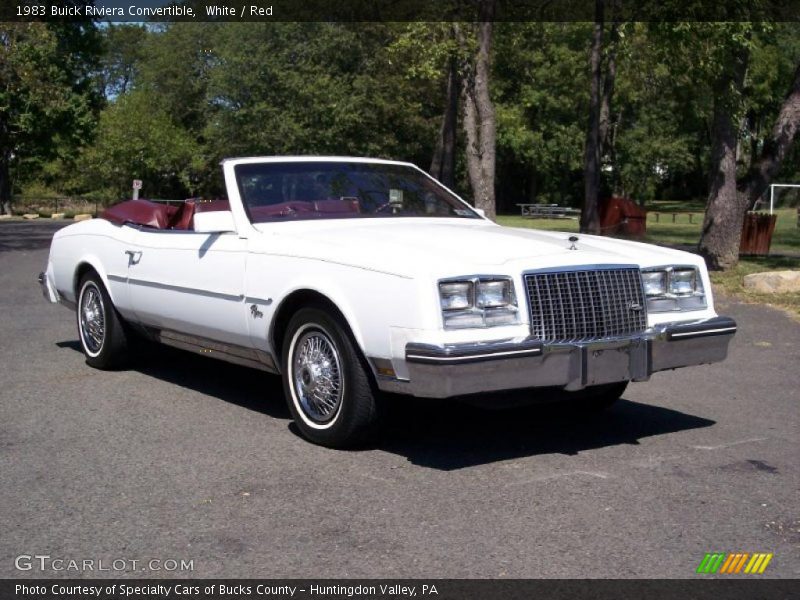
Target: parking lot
[185,458]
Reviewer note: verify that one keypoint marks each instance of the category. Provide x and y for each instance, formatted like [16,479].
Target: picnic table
[548,211]
[675,215]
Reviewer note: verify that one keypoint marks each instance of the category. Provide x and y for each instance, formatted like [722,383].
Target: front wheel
[101,331]
[326,382]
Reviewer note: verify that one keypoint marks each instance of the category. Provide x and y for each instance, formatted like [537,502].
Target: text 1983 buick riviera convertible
[354,276]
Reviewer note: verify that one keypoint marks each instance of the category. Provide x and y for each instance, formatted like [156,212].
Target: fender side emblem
[257,314]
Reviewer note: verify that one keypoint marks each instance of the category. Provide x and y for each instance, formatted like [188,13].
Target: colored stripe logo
[734,563]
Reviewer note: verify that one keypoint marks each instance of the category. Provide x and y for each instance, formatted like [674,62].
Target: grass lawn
[785,240]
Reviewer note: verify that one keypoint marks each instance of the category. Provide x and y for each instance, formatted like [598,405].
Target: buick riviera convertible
[352,277]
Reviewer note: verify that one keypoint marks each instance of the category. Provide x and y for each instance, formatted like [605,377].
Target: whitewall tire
[326,381]
[100,330]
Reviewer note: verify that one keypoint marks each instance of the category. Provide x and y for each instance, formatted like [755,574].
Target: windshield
[336,190]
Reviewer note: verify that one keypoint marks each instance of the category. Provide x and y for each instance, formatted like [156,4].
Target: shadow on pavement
[453,435]
[249,388]
[438,434]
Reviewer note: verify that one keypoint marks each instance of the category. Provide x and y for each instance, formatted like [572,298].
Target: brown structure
[622,216]
[757,233]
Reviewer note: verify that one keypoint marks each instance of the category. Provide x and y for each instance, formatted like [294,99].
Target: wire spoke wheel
[100,328]
[317,375]
[326,382]
[92,317]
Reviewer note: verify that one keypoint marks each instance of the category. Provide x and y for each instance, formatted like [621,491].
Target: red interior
[141,212]
[302,209]
[182,219]
[163,216]
[334,205]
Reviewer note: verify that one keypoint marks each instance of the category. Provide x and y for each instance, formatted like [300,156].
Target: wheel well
[80,272]
[294,302]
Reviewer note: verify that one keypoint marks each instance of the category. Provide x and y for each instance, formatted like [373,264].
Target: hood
[453,246]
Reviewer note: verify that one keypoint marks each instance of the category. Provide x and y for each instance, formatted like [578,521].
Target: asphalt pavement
[187,459]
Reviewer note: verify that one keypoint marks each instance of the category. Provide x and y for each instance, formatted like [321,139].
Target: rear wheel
[101,331]
[326,382]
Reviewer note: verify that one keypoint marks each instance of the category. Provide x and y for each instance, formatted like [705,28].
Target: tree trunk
[776,147]
[472,132]
[590,217]
[722,225]
[5,171]
[443,166]
[5,183]
[479,116]
[608,90]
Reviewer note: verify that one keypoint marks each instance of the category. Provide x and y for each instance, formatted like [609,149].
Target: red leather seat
[335,205]
[182,219]
[140,212]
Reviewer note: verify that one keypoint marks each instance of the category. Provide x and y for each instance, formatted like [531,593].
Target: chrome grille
[582,305]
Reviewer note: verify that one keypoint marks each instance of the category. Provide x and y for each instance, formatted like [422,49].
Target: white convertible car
[353,276]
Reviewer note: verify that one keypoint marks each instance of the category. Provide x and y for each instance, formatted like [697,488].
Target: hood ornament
[573,239]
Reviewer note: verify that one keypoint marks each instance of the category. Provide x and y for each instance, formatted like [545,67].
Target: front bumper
[48,289]
[461,369]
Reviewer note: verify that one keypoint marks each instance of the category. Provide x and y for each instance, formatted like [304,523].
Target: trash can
[757,232]
[622,216]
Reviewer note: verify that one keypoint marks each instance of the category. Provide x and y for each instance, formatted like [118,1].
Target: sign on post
[137,185]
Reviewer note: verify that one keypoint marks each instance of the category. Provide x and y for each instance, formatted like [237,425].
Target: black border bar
[699,588]
[396,10]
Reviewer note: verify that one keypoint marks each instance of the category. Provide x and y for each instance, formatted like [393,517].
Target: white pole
[771,196]
[772,192]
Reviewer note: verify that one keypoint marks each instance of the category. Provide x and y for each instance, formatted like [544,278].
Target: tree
[430,54]
[139,140]
[479,114]
[123,52]
[722,224]
[598,131]
[539,84]
[658,142]
[47,101]
[443,164]
[314,88]
[729,199]
[776,147]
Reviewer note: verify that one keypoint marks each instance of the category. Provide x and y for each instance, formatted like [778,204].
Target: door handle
[134,256]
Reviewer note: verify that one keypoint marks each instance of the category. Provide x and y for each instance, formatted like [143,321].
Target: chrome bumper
[48,290]
[461,369]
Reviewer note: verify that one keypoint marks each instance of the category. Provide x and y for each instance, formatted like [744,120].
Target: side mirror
[216,221]
[480,211]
